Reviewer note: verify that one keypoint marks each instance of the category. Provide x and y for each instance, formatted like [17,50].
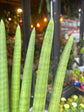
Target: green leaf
[43,70]
[59,78]
[48,5]
[82,50]
[4,92]
[24,103]
[15,84]
[40,7]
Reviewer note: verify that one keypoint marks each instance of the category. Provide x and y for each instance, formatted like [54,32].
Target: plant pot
[77,83]
[82,86]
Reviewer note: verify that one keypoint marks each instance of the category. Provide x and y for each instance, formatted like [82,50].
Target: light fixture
[32,26]
[61,19]
[45,19]
[38,25]
[20,21]
[79,10]
[9,19]
[19,10]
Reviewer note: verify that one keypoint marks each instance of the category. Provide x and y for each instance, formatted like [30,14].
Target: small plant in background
[76,74]
[82,52]
[82,82]
[72,104]
[78,78]
[82,79]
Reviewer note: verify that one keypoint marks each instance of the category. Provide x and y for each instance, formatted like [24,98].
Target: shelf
[80,89]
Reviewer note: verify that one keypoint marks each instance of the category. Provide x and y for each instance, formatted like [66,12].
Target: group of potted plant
[78,78]
[72,104]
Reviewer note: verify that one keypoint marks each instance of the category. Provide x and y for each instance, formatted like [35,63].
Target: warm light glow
[20,21]
[9,19]
[32,26]
[38,25]
[45,19]
[19,10]
[14,38]
[61,19]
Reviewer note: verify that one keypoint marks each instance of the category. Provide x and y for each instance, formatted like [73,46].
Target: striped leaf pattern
[15,84]
[59,79]
[27,76]
[4,93]
[43,69]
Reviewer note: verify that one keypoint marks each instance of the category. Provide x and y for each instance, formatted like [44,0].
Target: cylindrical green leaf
[4,94]
[48,5]
[43,69]
[15,84]
[24,103]
[40,6]
[59,79]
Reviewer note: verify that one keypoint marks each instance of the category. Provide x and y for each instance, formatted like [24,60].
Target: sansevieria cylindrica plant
[4,94]
[24,102]
[20,100]
[15,83]
[43,69]
[59,79]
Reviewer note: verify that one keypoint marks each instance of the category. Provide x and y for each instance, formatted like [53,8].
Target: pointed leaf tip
[18,26]
[34,29]
[2,22]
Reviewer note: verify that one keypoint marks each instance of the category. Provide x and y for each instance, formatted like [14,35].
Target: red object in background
[20,22]
[76,31]
[82,86]
[68,25]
